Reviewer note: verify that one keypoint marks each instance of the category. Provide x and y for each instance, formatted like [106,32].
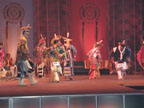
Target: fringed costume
[95,60]
[40,52]
[57,53]
[71,53]
[23,56]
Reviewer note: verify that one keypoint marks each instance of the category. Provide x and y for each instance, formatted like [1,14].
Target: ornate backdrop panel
[88,25]
[13,14]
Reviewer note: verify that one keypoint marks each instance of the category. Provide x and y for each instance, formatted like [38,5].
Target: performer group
[59,58]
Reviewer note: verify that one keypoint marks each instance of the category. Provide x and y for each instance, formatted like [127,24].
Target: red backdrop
[85,42]
[119,19]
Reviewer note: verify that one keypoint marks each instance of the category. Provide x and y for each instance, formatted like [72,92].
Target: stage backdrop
[115,20]
[79,17]
[13,14]
[88,25]
[125,22]
[51,16]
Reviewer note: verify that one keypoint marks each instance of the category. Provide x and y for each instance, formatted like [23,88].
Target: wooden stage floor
[108,84]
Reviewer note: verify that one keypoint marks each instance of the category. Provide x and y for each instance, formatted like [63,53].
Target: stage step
[79,68]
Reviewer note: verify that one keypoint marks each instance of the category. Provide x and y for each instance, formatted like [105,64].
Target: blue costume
[71,53]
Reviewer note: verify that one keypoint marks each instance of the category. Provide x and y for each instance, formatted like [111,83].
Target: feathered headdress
[67,39]
[99,43]
[22,39]
[55,40]
[24,29]
[42,40]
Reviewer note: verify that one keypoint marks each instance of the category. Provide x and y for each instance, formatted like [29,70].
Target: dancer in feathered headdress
[23,56]
[95,59]
[71,53]
[24,34]
[40,55]
[57,53]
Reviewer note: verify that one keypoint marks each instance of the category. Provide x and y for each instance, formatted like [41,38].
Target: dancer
[56,54]
[128,59]
[40,52]
[2,70]
[121,55]
[71,53]
[140,56]
[24,57]
[1,55]
[95,59]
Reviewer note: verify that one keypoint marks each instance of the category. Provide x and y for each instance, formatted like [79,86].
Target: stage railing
[75,101]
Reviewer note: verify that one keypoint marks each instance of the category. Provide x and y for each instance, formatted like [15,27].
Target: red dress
[95,60]
[140,56]
[1,57]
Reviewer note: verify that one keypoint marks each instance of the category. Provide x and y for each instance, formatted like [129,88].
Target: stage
[108,84]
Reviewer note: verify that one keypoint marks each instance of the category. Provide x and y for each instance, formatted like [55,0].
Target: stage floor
[108,84]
